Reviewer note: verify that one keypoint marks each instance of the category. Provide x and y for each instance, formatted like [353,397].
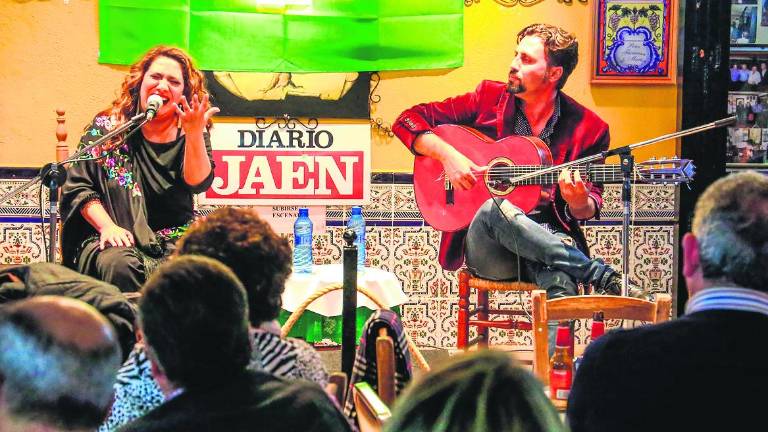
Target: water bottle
[357,224]
[302,242]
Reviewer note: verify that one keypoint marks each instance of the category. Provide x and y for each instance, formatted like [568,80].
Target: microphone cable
[497,202]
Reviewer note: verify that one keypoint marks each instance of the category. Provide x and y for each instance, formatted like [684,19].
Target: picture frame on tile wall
[634,42]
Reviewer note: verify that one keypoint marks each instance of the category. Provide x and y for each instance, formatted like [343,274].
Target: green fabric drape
[288,35]
[314,327]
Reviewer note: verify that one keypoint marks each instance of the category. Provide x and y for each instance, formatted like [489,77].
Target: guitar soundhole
[498,175]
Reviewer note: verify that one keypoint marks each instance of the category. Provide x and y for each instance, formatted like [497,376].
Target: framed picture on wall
[634,41]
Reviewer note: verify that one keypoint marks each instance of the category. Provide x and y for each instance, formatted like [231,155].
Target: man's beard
[515,88]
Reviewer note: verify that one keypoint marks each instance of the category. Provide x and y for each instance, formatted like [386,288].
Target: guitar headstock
[665,171]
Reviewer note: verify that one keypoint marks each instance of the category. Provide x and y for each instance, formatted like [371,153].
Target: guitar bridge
[449,198]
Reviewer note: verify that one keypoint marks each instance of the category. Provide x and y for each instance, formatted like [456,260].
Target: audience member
[261,259]
[705,370]
[194,318]
[58,358]
[478,392]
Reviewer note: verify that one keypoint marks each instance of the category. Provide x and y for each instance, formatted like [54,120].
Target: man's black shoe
[612,286]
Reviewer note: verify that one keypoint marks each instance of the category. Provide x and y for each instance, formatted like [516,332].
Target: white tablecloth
[383,284]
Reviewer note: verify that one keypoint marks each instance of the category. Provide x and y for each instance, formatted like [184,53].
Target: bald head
[68,322]
[58,360]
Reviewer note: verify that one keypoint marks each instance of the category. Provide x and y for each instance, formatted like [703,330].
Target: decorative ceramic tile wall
[397,240]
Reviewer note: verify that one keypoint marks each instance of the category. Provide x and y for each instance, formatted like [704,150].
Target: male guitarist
[549,241]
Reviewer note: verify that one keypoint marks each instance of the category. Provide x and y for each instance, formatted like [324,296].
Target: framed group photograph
[748,138]
[635,41]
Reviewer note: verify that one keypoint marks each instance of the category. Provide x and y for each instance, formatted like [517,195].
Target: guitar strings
[596,173]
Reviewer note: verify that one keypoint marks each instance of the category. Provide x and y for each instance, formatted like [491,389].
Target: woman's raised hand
[195,116]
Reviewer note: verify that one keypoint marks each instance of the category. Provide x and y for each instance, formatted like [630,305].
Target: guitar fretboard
[591,173]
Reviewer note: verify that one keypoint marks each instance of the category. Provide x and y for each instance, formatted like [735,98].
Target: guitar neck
[592,173]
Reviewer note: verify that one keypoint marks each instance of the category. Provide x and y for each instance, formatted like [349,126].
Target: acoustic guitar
[519,170]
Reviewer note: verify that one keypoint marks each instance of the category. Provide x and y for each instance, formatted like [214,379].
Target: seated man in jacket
[705,370]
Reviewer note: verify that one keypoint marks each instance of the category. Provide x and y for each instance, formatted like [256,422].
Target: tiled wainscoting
[398,240]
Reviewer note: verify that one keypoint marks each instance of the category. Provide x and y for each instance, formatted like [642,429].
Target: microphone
[154,103]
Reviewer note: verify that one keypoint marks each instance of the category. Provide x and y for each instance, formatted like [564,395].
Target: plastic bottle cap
[303,211]
[563,336]
[356,210]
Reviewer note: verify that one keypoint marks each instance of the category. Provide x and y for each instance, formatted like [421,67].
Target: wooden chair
[62,154]
[373,407]
[468,282]
[385,371]
[337,386]
[582,307]
[385,367]
[372,412]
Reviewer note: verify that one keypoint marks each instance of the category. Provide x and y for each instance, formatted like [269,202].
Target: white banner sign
[293,165]
[282,218]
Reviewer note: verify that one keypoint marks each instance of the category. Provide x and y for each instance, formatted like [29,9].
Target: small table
[322,319]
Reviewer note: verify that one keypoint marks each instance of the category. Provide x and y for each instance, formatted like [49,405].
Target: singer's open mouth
[165,99]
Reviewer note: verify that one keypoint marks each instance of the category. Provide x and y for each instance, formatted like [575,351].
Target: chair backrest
[385,367]
[372,412]
[582,307]
[337,386]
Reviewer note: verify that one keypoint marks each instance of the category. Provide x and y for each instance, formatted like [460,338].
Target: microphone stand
[627,167]
[53,176]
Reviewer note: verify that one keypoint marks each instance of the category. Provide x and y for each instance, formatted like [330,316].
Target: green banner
[288,35]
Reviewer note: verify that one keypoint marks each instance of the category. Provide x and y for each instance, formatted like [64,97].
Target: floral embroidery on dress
[113,161]
[173,233]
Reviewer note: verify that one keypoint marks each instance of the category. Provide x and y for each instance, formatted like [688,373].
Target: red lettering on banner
[276,175]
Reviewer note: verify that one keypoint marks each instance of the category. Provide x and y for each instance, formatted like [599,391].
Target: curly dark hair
[560,46]
[124,106]
[239,238]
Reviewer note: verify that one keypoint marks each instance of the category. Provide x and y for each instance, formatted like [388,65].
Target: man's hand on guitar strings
[461,171]
[573,189]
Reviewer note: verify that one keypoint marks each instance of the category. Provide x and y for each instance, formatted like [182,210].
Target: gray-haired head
[58,361]
[731,226]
